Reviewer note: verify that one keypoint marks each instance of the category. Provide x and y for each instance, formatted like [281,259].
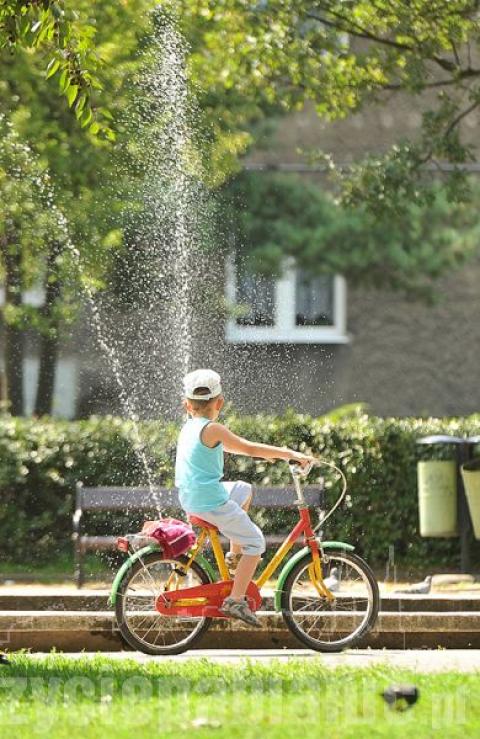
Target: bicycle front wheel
[331,626]
[140,624]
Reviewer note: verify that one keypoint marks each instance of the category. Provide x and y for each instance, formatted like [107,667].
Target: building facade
[308,344]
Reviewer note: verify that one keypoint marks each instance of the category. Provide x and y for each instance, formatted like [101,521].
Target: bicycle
[165,606]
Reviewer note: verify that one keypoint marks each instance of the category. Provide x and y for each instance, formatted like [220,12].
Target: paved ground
[439,660]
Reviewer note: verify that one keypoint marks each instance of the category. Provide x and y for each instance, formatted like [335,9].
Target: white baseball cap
[202,378]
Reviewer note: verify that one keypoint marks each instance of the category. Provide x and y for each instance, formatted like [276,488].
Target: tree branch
[3,244]
[455,53]
[465,74]
[359,32]
[460,117]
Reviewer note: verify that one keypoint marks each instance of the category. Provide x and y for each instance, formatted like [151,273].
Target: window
[255,299]
[314,300]
[294,308]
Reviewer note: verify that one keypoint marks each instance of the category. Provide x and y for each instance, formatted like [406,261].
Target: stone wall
[404,358]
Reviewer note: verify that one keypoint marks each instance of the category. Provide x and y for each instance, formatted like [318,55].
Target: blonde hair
[200,405]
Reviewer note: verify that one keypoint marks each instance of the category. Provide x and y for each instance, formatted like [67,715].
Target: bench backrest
[138,498]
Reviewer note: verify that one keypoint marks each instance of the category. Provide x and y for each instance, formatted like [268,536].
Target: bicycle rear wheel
[331,626]
[140,624]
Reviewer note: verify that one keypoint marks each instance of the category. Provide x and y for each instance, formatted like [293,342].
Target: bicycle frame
[302,527]
[190,589]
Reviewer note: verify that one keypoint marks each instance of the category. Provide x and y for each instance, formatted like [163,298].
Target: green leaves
[254,59]
[86,118]
[80,105]
[71,93]
[385,233]
[52,68]
[42,459]
[69,44]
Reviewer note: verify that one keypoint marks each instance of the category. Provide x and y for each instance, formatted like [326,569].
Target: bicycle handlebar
[298,471]
[301,471]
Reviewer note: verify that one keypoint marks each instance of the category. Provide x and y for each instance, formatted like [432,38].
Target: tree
[285,216]
[250,60]
[247,62]
[78,163]
[341,55]
[27,228]
[67,41]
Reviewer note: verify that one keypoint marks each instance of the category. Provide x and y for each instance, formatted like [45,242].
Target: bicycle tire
[126,631]
[347,641]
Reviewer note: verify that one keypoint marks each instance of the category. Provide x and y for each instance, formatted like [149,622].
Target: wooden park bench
[139,499]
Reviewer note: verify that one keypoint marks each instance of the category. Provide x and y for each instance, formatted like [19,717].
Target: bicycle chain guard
[203,600]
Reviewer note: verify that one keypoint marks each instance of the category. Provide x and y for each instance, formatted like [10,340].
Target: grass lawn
[97,697]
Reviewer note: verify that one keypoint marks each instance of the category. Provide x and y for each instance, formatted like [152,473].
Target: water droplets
[156,303]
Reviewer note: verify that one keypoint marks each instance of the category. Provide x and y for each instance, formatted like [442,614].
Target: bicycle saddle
[197,521]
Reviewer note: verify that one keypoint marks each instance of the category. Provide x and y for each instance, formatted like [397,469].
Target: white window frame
[285,330]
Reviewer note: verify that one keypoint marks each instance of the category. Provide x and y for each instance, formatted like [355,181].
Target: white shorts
[235,523]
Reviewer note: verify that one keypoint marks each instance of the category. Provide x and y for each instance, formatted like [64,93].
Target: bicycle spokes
[329,623]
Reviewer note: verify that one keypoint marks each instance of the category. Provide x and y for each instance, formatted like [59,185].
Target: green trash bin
[437,498]
[471,483]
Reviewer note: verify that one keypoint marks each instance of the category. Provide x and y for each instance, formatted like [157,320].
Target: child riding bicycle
[198,477]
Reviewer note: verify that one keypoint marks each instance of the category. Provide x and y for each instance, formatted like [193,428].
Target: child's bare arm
[215,433]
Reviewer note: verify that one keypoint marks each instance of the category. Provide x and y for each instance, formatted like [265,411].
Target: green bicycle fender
[296,558]
[206,566]
[125,567]
[141,553]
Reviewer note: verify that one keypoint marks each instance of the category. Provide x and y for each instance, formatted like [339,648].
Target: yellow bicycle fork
[316,577]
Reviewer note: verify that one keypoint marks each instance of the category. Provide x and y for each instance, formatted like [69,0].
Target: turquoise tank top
[198,469]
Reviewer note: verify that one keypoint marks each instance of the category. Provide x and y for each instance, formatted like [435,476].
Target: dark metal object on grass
[401,697]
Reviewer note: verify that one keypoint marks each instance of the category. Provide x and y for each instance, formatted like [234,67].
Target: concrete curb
[73,631]
[97,600]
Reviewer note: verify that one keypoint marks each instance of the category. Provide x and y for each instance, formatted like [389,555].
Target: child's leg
[234,523]
[237,548]
[243,574]
[247,563]
[242,493]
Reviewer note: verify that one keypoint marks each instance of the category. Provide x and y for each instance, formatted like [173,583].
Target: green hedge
[40,461]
